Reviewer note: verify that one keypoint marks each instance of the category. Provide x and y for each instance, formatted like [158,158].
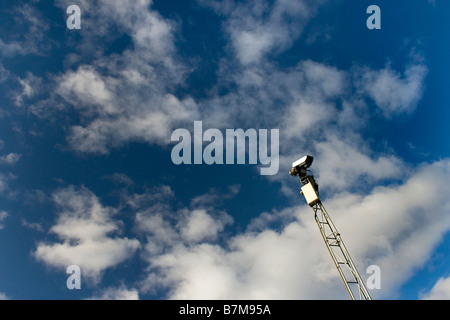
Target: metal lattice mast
[331,236]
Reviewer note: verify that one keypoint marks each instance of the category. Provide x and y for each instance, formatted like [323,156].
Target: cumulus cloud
[152,126]
[165,227]
[85,228]
[263,265]
[85,88]
[200,226]
[191,256]
[127,97]
[440,291]
[142,78]
[378,228]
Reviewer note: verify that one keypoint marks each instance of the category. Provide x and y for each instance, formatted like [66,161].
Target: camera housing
[299,166]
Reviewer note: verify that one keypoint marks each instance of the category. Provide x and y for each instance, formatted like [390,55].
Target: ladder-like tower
[331,236]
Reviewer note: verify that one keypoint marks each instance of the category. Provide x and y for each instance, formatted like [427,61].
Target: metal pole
[336,247]
[339,253]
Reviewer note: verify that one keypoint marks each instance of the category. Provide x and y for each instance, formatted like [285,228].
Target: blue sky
[87,178]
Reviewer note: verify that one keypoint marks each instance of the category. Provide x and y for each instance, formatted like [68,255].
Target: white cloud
[129,97]
[160,233]
[10,49]
[3,216]
[165,227]
[184,257]
[124,96]
[149,197]
[30,86]
[323,80]
[10,158]
[214,197]
[257,29]
[85,88]
[311,99]
[152,126]
[392,92]
[3,296]
[265,265]
[120,293]
[27,34]
[85,226]
[343,163]
[189,253]
[200,226]
[3,183]
[440,291]
[33,225]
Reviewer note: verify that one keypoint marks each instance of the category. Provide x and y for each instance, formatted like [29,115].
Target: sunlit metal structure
[331,236]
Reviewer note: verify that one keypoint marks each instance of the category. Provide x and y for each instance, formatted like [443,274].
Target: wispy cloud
[30,32]
[120,293]
[10,49]
[3,215]
[393,92]
[3,183]
[258,29]
[10,158]
[33,225]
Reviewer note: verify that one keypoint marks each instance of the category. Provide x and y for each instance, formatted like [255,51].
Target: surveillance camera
[306,162]
[299,167]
